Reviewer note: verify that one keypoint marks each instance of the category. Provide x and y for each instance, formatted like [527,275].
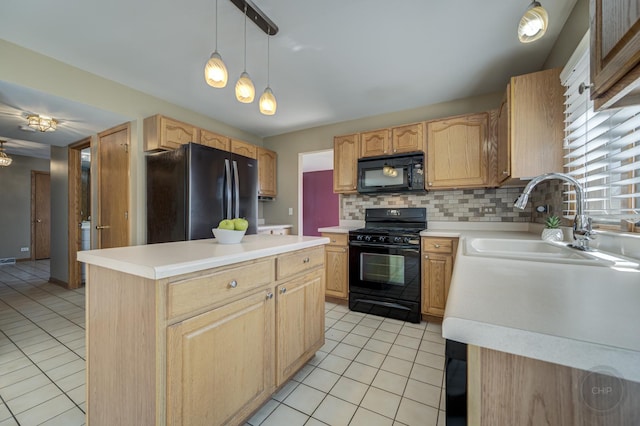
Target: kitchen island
[548,342]
[198,332]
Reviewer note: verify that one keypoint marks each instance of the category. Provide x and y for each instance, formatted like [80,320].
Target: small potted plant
[552,231]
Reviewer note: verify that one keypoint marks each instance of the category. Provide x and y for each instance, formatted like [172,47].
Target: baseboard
[58,282]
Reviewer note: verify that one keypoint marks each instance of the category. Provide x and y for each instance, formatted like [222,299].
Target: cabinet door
[345,163]
[436,275]
[337,263]
[457,150]
[220,364]
[376,142]
[266,172]
[504,141]
[299,322]
[243,148]
[408,138]
[175,133]
[615,43]
[215,140]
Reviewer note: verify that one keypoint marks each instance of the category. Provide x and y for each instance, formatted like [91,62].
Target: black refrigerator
[191,189]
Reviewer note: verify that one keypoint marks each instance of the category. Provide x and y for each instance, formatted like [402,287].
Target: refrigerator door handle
[236,189]
[227,176]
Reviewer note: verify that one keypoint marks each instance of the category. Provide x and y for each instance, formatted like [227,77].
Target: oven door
[391,271]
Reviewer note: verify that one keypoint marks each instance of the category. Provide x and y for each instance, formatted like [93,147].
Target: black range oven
[384,263]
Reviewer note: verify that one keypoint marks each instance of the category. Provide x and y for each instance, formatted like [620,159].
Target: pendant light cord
[245,37]
[268,54]
[216,26]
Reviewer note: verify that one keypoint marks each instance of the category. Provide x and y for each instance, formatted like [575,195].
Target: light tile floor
[371,371]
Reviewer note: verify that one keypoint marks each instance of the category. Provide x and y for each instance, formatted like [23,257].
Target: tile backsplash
[465,205]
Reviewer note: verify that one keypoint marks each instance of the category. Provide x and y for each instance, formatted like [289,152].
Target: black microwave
[388,174]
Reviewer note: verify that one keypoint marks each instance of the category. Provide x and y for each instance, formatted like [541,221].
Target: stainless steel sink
[534,250]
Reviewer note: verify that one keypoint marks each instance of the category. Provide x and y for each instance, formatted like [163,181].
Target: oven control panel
[386,239]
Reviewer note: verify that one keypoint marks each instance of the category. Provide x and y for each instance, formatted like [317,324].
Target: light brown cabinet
[267,164]
[243,148]
[345,163]
[215,383]
[164,133]
[531,126]
[438,256]
[299,322]
[458,152]
[207,347]
[615,52]
[215,140]
[337,265]
[396,140]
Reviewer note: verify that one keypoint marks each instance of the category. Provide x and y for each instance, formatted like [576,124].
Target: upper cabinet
[267,163]
[244,148]
[615,52]
[396,140]
[345,163]
[458,152]
[165,133]
[215,140]
[531,126]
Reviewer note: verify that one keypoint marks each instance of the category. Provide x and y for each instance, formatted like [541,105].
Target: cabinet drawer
[337,239]
[299,261]
[437,245]
[192,294]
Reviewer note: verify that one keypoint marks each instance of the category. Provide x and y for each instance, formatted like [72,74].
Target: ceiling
[331,61]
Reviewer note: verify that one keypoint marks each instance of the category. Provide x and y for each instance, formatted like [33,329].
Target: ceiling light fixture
[5,160]
[42,123]
[245,92]
[533,23]
[215,72]
[268,102]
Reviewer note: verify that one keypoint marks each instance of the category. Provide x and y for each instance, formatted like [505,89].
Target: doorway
[318,206]
[40,215]
[79,207]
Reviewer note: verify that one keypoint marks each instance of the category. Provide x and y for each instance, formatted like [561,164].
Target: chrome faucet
[582,230]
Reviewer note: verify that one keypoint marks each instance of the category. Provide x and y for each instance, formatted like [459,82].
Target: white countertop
[157,261]
[576,315]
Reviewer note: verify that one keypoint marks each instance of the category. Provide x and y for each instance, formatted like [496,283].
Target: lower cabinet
[299,322]
[337,265]
[438,255]
[220,363]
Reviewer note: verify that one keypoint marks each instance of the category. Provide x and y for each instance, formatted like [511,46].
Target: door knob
[38,220]
[100,227]
[283,290]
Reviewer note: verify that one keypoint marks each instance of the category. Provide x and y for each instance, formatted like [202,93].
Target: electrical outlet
[24,248]
[489,210]
[290,211]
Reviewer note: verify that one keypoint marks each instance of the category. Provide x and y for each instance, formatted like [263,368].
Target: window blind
[601,149]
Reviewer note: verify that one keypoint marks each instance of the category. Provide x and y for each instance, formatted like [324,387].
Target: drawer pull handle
[269,296]
[436,245]
[233,284]
[283,290]
[305,260]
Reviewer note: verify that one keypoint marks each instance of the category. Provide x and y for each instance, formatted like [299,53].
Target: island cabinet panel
[345,163]
[190,294]
[507,389]
[294,263]
[122,345]
[299,322]
[220,363]
[164,133]
[458,152]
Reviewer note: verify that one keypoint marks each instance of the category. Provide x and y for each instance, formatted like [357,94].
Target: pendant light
[268,103]
[215,72]
[245,92]
[533,23]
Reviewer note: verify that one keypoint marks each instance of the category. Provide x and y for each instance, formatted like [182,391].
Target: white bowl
[227,236]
